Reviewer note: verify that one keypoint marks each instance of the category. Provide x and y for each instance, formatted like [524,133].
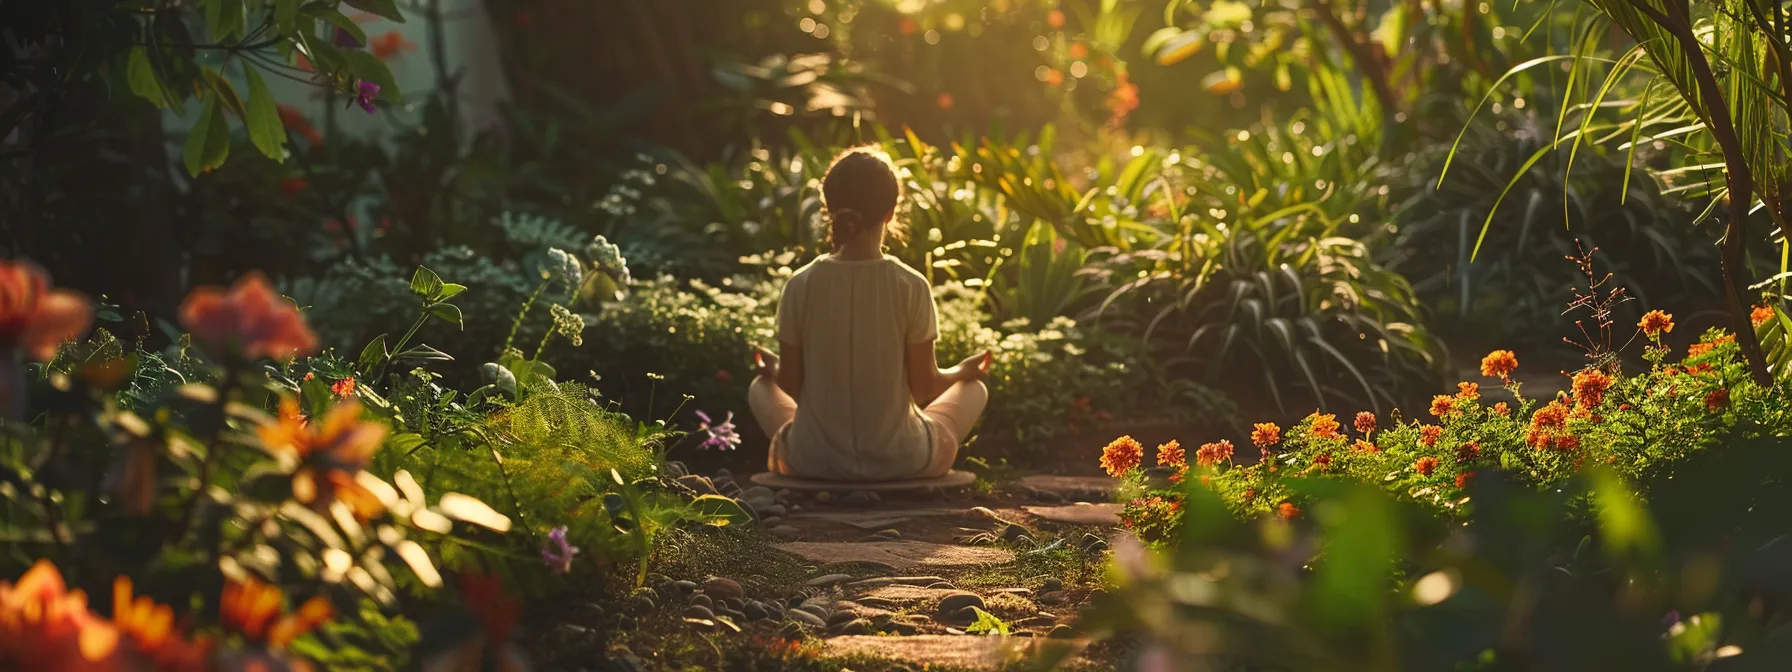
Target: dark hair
[859,192]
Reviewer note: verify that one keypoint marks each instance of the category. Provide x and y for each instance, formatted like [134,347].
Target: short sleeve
[924,321]
[790,313]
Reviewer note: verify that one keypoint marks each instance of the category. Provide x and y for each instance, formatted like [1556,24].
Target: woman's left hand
[765,362]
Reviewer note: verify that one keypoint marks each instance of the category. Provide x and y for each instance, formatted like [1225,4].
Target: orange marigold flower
[34,318]
[1655,323]
[331,451]
[1250,494]
[1322,460]
[1760,315]
[1502,409]
[1567,442]
[389,44]
[1425,465]
[1365,423]
[1467,452]
[1265,434]
[1552,416]
[1443,405]
[1462,479]
[1288,511]
[1429,434]
[344,388]
[1590,387]
[1499,364]
[1699,349]
[1121,456]
[1717,399]
[1172,455]
[250,320]
[252,609]
[1362,446]
[1213,453]
[1325,425]
[46,626]
[1466,390]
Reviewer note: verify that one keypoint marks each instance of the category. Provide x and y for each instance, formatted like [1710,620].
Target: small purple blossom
[721,436]
[365,95]
[559,555]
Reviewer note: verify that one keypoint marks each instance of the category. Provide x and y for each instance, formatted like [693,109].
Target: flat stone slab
[906,595]
[1070,487]
[966,651]
[1105,515]
[952,479]
[898,554]
[874,520]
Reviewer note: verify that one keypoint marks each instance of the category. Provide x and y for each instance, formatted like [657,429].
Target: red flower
[1213,453]
[252,609]
[34,318]
[1425,465]
[1590,387]
[1172,455]
[295,121]
[46,626]
[1717,399]
[1265,434]
[1365,423]
[1499,364]
[1121,456]
[1462,479]
[1288,511]
[1429,435]
[389,44]
[249,320]
[344,388]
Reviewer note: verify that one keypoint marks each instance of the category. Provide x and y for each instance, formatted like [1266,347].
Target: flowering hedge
[1635,423]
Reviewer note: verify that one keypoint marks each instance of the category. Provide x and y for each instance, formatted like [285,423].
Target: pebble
[840,617]
[702,601]
[758,492]
[904,629]
[947,585]
[698,611]
[785,532]
[805,618]
[642,603]
[963,615]
[852,627]
[698,483]
[1053,597]
[724,473]
[795,508]
[723,587]
[827,580]
[957,601]
[686,587]
[735,603]
[1051,584]
[782,493]
[755,611]
[775,510]
[771,521]
[1014,533]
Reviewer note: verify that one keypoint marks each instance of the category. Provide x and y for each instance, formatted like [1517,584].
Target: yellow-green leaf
[144,80]
[208,144]
[263,119]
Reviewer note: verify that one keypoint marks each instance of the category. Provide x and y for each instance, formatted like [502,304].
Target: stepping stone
[1072,487]
[899,554]
[1106,515]
[881,581]
[952,479]
[906,595]
[875,520]
[977,653]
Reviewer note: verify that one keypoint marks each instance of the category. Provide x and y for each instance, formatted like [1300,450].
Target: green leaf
[986,624]
[423,353]
[720,511]
[226,92]
[208,144]
[405,442]
[447,312]
[373,354]
[223,18]
[368,68]
[449,291]
[316,396]
[263,120]
[286,13]
[387,9]
[1624,522]
[144,80]
[425,283]
[339,20]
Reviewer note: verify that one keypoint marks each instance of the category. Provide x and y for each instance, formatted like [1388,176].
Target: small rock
[839,617]
[782,493]
[685,587]
[704,601]
[785,532]
[755,611]
[793,508]
[887,534]
[758,492]
[796,601]
[1062,631]
[904,629]
[963,615]
[824,497]
[857,498]
[735,603]
[724,473]
[642,603]
[959,600]
[698,611]
[805,618]
[733,615]
[771,521]
[698,483]
[874,497]
[1014,533]
[723,587]
[1054,597]
[828,580]
[775,510]
[1051,584]
[857,626]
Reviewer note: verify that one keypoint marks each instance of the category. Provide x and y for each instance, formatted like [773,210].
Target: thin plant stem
[518,323]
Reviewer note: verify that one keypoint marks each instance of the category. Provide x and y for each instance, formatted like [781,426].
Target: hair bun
[847,217]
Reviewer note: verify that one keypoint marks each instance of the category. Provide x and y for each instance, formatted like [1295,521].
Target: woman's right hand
[976,366]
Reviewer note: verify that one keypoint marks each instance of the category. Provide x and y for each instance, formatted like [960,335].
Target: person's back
[853,319]
[855,393]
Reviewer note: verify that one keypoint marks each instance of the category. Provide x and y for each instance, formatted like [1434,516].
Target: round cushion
[952,479]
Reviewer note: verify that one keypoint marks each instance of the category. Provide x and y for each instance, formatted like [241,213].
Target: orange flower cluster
[1470,391]
[1213,453]
[330,451]
[1362,446]
[1172,455]
[1590,387]
[1425,465]
[1325,425]
[1502,409]
[1549,428]
[1655,323]
[1499,364]
[46,626]
[150,628]
[389,44]
[1760,315]
[1467,452]
[250,320]
[1429,434]
[1463,478]
[1265,434]
[1717,400]
[344,388]
[295,121]
[1288,511]
[252,609]
[1365,423]
[1121,455]
[1443,405]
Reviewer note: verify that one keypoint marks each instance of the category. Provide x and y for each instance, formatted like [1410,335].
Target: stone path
[889,568]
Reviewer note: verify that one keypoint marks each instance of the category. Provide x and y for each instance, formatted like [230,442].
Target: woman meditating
[859,395]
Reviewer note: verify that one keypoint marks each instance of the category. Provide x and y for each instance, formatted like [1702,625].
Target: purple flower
[721,435]
[1672,619]
[365,94]
[559,555]
[345,40]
